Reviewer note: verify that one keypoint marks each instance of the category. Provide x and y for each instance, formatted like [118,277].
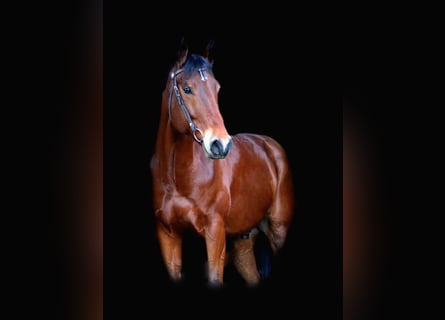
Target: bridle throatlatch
[183,107]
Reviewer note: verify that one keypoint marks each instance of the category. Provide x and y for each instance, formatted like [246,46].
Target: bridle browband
[182,104]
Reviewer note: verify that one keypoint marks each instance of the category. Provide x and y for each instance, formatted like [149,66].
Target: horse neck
[167,139]
[166,135]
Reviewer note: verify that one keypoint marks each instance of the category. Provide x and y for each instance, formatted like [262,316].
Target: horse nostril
[216,148]
[228,147]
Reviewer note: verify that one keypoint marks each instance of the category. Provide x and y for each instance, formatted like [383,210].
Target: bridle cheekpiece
[182,104]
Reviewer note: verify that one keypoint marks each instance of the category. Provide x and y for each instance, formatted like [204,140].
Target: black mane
[195,62]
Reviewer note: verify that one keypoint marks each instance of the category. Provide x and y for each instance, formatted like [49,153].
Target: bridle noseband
[183,107]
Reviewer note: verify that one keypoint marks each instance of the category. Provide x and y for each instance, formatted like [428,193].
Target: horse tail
[264,256]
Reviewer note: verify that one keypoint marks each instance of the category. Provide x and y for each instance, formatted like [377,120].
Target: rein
[183,107]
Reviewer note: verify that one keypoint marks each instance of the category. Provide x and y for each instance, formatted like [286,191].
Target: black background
[278,82]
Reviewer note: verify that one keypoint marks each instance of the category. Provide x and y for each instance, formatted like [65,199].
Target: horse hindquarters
[281,211]
[257,264]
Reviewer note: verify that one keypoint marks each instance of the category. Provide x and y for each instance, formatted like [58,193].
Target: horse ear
[182,53]
[209,50]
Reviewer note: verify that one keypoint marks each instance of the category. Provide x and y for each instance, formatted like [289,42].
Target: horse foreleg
[244,258]
[171,250]
[215,239]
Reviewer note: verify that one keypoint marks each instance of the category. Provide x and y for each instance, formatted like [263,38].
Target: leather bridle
[183,107]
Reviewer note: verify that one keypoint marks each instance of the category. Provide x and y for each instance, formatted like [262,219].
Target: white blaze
[210,137]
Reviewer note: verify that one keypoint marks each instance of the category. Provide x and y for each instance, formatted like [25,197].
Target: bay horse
[214,183]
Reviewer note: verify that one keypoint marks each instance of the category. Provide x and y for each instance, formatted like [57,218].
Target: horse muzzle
[217,148]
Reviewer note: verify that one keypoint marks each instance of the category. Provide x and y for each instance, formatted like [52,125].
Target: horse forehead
[201,76]
[204,88]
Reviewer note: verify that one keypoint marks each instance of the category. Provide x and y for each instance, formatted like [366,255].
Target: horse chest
[198,176]
[202,200]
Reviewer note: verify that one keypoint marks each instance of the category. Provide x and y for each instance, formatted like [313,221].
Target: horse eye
[188,90]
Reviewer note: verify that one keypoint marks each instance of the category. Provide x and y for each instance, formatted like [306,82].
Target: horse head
[193,103]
